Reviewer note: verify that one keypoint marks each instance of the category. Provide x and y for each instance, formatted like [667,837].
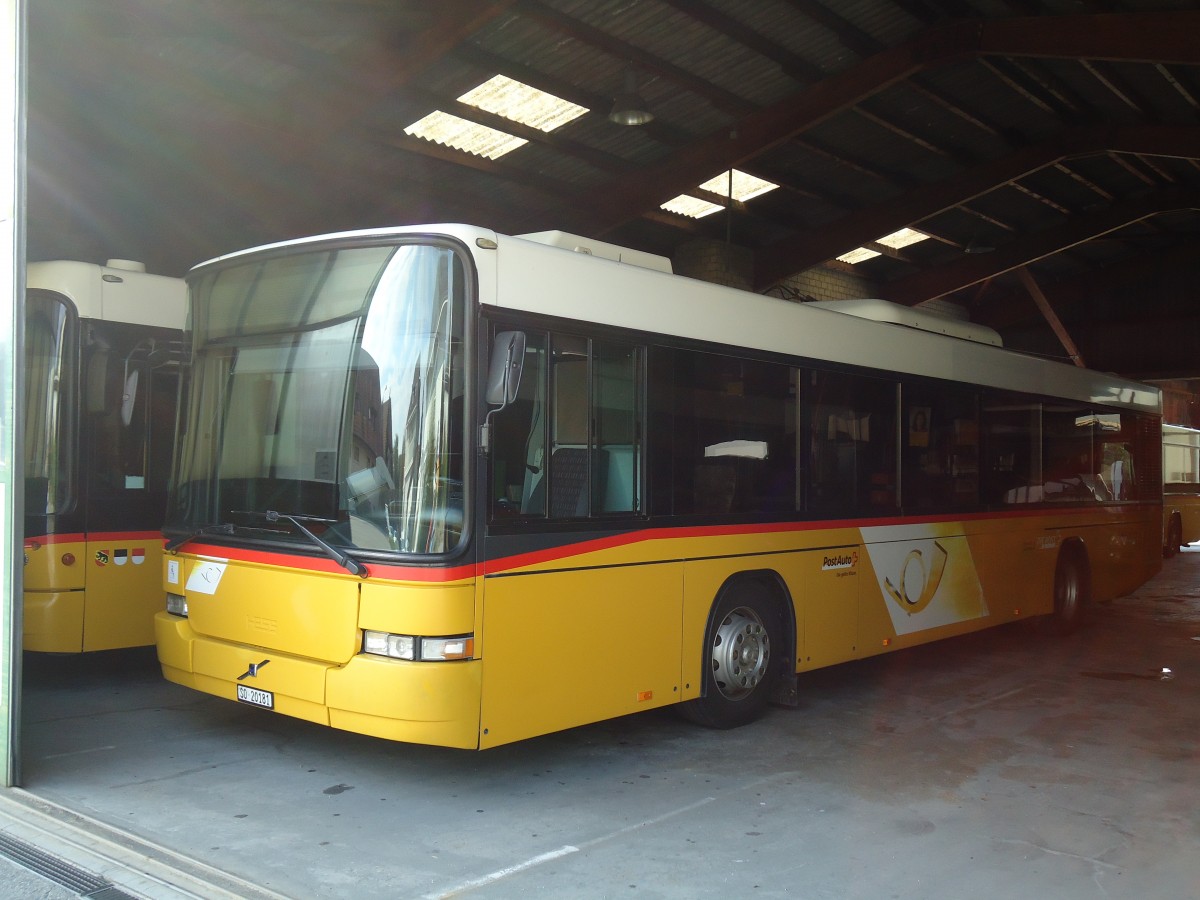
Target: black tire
[1072,592]
[1174,537]
[742,649]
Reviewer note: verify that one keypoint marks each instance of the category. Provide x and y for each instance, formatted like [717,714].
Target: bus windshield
[326,386]
[49,385]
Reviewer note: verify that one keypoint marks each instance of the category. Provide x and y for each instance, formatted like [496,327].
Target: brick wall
[715,262]
[826,283]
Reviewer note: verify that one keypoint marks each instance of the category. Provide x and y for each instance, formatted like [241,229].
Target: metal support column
[12,285]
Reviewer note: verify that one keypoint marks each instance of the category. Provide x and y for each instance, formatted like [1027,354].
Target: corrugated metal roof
[180,131]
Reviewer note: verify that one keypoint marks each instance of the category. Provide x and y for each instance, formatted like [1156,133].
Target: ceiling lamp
[629,107]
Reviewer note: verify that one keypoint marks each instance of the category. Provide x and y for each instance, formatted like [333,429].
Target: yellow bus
[102,348]
[448,486]
[1181,487]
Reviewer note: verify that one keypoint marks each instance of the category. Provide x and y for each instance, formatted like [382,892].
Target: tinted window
[940,447]
[733,433]
[852,444]
[1012,446]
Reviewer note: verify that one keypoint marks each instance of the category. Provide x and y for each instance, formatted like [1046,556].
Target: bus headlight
[396,646]
[405,646]
[177,605]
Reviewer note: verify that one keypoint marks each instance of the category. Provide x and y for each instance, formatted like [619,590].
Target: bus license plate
[255,697]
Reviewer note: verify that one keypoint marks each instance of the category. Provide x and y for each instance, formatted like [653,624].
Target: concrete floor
[1003,764]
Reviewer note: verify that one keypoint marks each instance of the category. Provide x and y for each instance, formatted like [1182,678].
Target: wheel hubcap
[741,653]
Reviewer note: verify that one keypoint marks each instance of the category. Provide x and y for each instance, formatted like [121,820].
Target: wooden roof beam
[851,37]
[1085,36]
[579,30]
[969,270]
[791,63]
[807,249]
[382,70]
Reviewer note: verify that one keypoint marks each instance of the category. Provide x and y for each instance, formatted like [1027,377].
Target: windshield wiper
[218,528]
[349,563]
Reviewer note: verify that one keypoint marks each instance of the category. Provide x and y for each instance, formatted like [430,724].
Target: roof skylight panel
[500,96]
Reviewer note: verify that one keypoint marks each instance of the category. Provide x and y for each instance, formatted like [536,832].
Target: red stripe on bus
[107,537]
[436,574]
[564,551]
[328,566]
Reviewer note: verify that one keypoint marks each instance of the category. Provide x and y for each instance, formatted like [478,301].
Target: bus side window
[939,447]
[617,412]
[1010,431]
[852,464]
[1070,469]
[733,435]
[570,446]
[519,441]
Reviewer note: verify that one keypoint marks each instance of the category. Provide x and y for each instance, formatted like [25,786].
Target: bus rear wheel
[1071,593]
[1174,537]
[740,648]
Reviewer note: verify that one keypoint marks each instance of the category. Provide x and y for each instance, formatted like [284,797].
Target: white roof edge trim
[591,247]
[897,314]
[112,293]
[466,233]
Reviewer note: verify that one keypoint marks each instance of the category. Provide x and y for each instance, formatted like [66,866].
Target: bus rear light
[405,646]
[68,559]
[177,605]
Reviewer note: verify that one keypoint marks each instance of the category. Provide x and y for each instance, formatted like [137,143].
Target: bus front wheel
[741,646]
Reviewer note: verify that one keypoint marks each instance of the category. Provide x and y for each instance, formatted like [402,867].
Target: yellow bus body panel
[105,600]
[45,570]
[424,703]
[562,648]
[429,608]
[300,632]
[53,621]
[123,594]
[611,627]
[301,612]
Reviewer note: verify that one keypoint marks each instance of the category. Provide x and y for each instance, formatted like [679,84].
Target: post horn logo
[919,579]
[252,672]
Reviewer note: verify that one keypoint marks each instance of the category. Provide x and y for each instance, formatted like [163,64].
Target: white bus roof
[883,311]
[548,275]
[121,291]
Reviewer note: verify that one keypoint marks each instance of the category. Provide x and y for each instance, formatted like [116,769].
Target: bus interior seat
[568,482]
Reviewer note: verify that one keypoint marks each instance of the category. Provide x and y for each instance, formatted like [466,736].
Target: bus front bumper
[423,703]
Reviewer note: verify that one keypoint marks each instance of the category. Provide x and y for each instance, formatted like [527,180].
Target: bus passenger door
[580,621]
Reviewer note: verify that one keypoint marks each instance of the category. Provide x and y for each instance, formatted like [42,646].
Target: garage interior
[1028,165]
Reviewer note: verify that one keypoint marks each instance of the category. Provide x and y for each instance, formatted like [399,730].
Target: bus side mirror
[504,373]
[128,397]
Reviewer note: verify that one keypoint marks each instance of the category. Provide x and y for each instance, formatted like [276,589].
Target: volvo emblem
[252,672]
